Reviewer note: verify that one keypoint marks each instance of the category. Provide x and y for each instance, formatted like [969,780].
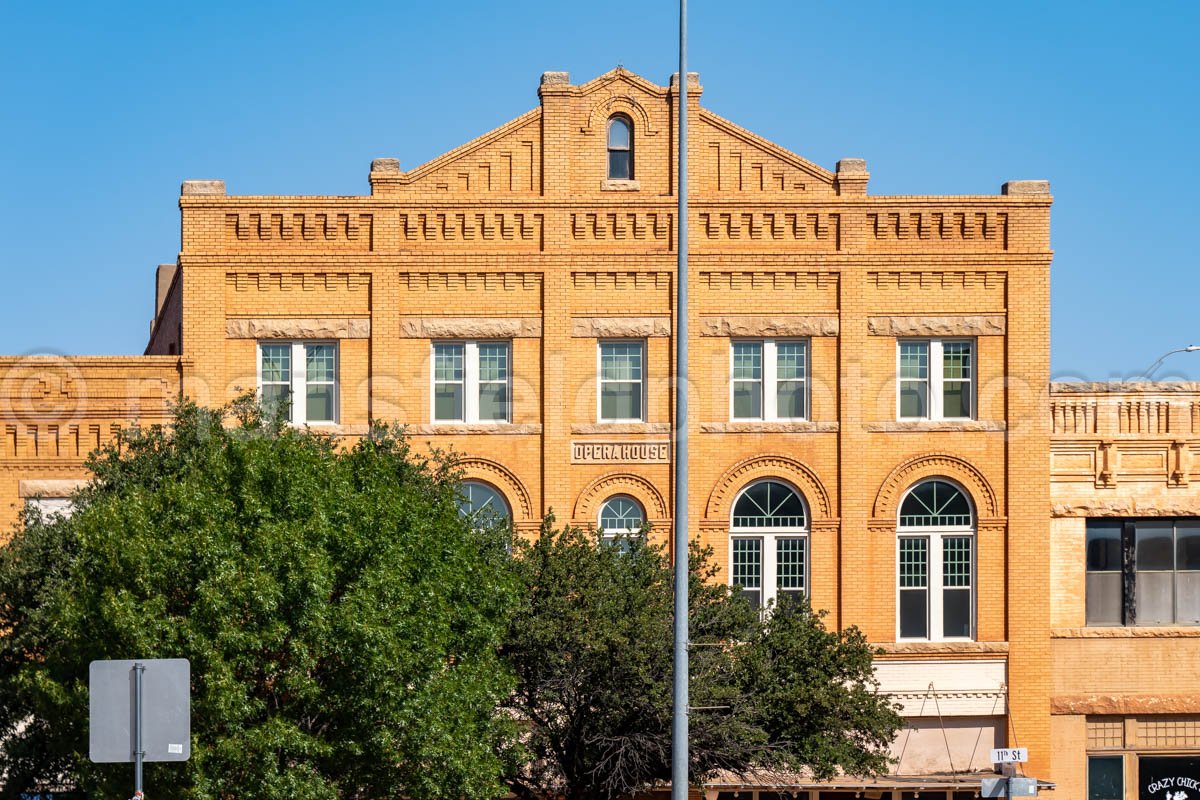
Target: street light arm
[1191,348]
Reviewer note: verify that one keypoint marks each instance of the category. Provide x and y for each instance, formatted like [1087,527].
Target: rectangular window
[305,370]
[935,379]
[789,568]
[747,569]
[914,587]
[956,587]
[622,384]
[471,382]
[1143,572]
[769,380]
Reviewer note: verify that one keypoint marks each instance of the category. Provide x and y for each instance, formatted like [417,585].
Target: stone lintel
[472,428]
[470,327]
[313,328]
[57,487]
[617,327]
[202,187]
[1026,188]
[906,426]
[1130,507]
[777,325]
[968,325]
[1119,704]
[990,649]
[796,426]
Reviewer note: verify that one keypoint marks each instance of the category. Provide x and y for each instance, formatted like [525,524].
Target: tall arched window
[768,543]
[621,516]
[620,148]
[483,505]
[936,563]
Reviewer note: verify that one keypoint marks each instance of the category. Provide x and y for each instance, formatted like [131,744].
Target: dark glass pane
[913,402]
[1104,598]
[1187,598]
[1187,544]
[620,165]
[956,613]
[789,400]
[621,401]
[276,396]
[913,614]
[319,407]
[1155,545]
[747,400]
[493,402]
[956,399]
[754,597]
[448,402]
[1106,780]
[1103,545]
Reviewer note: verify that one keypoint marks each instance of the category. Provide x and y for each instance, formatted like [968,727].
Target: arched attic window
[620,148]
[620,517]
[483,505]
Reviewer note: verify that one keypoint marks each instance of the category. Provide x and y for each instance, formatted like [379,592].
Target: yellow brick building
[872,420]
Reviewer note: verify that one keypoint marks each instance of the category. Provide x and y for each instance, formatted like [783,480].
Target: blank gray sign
[166,710]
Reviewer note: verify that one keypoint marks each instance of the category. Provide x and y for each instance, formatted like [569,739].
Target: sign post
[139,711]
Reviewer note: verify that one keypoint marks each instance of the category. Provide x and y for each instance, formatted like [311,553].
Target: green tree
[592,644]
[342,620]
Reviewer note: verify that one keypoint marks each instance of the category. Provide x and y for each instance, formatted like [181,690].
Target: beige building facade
[872,421]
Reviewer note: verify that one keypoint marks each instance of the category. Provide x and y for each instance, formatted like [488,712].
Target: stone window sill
[750,426]
[923,425]
[622,427]
[1117,632]
[620,186]
[458,428]
[944,648]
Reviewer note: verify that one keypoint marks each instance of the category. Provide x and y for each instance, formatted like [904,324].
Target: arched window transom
[620,517]
[482,504]
[769,543]
[936,563]
[620,148]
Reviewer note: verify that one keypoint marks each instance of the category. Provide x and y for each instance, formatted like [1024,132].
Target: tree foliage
[343,622]
[592,648]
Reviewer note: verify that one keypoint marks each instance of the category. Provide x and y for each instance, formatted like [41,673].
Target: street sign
[1010,755]
[1008,787]
[166,714]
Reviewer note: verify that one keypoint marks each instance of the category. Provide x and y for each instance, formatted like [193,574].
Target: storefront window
[1106,778]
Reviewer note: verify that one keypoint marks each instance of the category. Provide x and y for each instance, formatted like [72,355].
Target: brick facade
[520,236]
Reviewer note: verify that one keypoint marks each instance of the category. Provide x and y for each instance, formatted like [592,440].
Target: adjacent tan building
[872,418]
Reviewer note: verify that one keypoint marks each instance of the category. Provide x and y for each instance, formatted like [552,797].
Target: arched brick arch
[491,472]
[587,507]
[935,465]
[615,105]
[767,466]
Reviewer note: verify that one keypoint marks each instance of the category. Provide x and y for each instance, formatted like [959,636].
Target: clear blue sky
[108,106]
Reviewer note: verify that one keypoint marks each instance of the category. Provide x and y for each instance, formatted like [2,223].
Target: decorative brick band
[769,326]
[613,327]
[313,328]
[48,487]
[471,328]
[974,325]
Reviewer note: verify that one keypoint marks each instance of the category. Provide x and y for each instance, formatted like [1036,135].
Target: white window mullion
[770,565]
[471,382]
[770,392]
[936,620]
[299,382]
[935,381]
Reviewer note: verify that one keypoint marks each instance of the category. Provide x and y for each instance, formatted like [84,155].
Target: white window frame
[600,381]
[471,382]
[933,536]
[768,384]
[299,381]
[935,382]
[768,538]
[610,535]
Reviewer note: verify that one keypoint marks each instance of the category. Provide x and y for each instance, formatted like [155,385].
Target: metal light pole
[679,723]
[1191,348]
